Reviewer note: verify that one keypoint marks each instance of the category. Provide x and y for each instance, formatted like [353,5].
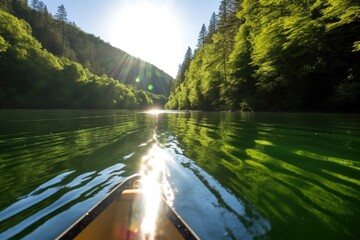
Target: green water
[234,175]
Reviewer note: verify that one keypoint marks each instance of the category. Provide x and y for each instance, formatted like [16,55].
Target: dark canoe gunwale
[94,212]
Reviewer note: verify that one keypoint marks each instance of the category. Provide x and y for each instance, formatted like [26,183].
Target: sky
[156,31]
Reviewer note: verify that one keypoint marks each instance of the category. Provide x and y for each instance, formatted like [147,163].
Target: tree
[228,25]
[239,91]
[188,56]
[212,28]
[34,4]
[6,5]
[227,14]
[185,65]
[202,36]
[277,55]
[61,15]
[42,7]
[213,24]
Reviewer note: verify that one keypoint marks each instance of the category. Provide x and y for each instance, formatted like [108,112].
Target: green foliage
[6,5]
[31,77]
[64,38]
[356,46]
[3,44]
[340,12]
[277,55]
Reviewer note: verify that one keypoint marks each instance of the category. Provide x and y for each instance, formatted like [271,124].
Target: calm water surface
[233,175]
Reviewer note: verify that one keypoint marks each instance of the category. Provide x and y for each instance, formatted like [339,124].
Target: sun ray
[148,29]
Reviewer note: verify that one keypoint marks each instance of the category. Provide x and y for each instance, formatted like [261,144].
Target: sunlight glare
[148,29]
[154,111]
[154,181]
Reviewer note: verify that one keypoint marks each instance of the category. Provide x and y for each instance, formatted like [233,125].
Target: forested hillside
[274,55]
[60,36]
[32,77]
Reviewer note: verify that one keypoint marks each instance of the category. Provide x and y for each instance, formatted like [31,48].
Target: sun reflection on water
[155,186]
[155,111]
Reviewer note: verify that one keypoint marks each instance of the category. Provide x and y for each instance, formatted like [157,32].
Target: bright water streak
[272,176]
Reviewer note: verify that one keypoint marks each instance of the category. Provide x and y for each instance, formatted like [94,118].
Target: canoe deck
[121,215]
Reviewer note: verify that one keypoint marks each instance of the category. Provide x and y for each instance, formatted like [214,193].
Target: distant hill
[69,41]
[32,77]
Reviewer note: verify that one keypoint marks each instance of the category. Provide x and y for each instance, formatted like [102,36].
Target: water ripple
[298,171]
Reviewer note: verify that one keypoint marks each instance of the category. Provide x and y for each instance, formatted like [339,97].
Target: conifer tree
[34,4]
[212,24]
[61,15]
[202,36]
[184,66]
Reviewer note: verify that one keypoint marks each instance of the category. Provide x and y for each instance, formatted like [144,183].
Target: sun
[149,30]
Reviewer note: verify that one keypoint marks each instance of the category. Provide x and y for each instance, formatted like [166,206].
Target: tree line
[276,55]
[33,77]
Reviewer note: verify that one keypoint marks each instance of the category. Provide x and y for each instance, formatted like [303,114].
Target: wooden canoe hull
[120,216]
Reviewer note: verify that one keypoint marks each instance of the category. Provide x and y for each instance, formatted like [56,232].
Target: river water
[232,175]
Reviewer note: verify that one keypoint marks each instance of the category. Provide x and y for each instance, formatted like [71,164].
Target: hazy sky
[157,31]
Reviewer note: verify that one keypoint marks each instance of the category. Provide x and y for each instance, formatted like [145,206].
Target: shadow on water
[298,171]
